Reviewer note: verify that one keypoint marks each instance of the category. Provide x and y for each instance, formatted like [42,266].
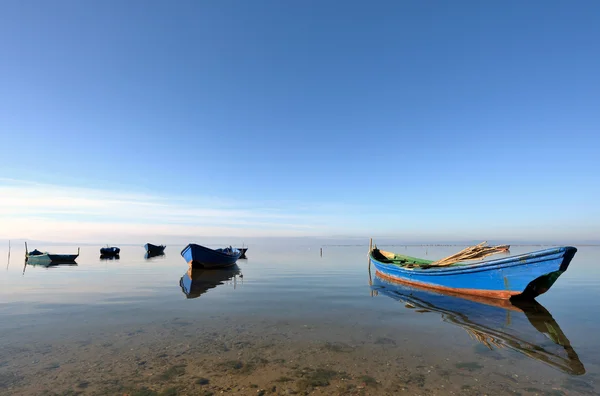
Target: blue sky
[438,119]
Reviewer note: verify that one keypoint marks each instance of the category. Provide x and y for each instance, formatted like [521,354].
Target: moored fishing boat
[200,256]
[154,250]
[524,326]
[35,257]
[527,275]
[110,251]
[243,251]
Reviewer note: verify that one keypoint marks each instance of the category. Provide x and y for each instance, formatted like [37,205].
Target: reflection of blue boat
[154,250]
[197,281]
[522,325]
[200,256]
[110,251]
[528,274]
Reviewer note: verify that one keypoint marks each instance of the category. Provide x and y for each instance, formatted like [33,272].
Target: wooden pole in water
[8,263]
[321,252]
[369,260]
[25,263]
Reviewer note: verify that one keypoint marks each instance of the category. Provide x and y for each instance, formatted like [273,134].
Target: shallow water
[289,322]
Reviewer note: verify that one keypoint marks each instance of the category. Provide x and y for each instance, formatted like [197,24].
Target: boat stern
[187,254]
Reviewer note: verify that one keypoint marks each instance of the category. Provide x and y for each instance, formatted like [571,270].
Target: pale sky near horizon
[416,120]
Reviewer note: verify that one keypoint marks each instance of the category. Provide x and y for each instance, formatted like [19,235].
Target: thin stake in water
[7,264]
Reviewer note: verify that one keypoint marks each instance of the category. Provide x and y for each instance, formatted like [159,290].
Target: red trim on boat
[498,294]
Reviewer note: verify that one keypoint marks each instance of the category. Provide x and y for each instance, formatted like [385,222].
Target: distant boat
[528,275]
[197,281]
[35,257]
[154,250]
[243,251]
[112,251]
[524,326]
[200,256]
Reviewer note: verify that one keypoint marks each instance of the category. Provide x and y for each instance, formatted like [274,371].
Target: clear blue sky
[468,113]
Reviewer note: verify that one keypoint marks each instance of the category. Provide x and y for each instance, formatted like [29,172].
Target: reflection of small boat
[203,257]
[154,250]
[109,257]
[197,281]
[110,251]
[529,274]
[243,251]
[51,264]
[35,257]
[521,325]
[149,256]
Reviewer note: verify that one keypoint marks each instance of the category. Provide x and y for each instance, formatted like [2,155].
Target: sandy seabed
[259,357]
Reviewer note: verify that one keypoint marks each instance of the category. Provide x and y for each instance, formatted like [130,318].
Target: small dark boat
[197,281]
[110,251]
[203,257]
[527,275]
[35,257]
[243,251]
[524,326]
[154,250]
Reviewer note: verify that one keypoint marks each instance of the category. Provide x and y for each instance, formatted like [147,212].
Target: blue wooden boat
[200,256]
[197,281]
[524,326]
[154,250]
[35,257]
[110,251]
[527,275]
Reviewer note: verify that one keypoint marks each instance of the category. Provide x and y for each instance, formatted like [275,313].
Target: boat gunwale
[488,265]
[189,246]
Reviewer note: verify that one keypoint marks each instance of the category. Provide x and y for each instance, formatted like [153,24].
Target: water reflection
[109,257]
[524,326]
[197,281]
[149,256]
[50,264]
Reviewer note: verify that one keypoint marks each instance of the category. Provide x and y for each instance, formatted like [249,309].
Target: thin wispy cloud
[59,213]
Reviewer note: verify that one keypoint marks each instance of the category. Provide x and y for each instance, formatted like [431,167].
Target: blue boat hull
[524,326]
[529,274]
[203,257]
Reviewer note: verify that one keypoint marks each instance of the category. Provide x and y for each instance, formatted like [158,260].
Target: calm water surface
[285,321]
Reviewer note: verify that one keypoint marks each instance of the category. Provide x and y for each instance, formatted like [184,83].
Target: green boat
[35,257]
